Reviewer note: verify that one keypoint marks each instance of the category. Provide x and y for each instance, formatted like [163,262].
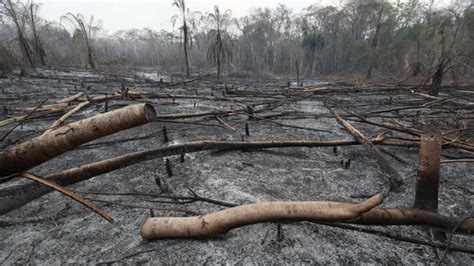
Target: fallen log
[17,196]
[35,114]
[51,144]
[394,216]
[363,213]
[45,108]
[72,98]
[223,221]
[393,177]
[448,142]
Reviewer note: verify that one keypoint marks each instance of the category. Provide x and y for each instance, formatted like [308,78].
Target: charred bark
[437,77]
[427,182]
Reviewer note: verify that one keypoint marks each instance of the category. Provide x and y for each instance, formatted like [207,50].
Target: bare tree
[375,41]
[85,31]
[439,62]
[12,12]
[33,10]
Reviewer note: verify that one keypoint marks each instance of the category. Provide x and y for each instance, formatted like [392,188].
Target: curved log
[363,213]
[222,221]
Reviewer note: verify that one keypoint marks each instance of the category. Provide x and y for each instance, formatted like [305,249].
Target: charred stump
[427,181]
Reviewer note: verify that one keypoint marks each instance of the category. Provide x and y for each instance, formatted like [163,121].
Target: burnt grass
[55,229]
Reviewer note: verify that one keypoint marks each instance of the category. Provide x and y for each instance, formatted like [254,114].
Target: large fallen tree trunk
[18,196]
[51,144]
[222,221]
[363,213]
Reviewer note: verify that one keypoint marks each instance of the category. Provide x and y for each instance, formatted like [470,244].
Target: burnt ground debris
[55,229]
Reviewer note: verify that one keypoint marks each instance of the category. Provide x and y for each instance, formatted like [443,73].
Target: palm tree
[184,12]
[220,47]
[85,31]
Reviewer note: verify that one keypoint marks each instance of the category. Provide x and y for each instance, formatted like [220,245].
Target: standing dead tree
[438,66]
[84,31]
[12,12]
[7,60]
[38,45]
[375,41]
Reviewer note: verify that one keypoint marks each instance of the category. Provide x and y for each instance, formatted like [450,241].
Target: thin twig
[23,120]
[68,193]
[451,234]
[192,198]
[134,206]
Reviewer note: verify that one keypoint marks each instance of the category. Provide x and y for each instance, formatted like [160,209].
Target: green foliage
[355,35]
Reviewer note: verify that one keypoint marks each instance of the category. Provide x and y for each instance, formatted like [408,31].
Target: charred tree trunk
[374,43]
[38,45]
[297,66]
[427,182]
[437,76]
[218,67]
[417,65]
[51,144]
[185,45]
[90,57]
[394,178]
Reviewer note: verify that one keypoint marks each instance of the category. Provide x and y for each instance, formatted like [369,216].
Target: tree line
[400,38]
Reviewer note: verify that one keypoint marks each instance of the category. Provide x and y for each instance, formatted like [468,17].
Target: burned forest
[333,132]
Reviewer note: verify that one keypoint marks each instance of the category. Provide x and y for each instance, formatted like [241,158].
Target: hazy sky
[155,14]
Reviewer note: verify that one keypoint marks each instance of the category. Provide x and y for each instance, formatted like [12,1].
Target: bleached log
[363,213]
[223,221]
[56,142]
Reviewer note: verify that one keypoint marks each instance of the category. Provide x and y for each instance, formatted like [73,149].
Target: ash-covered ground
[55,229]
